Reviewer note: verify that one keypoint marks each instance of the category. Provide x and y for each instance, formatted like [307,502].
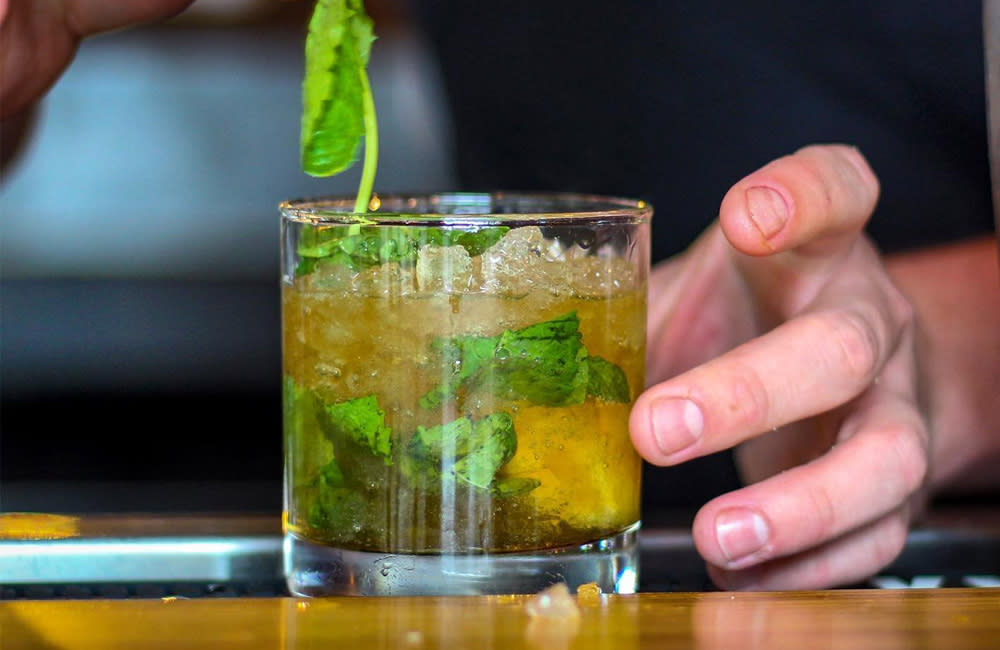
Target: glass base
[315,570]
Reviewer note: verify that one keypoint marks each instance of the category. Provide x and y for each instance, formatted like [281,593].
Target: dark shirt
[673,102]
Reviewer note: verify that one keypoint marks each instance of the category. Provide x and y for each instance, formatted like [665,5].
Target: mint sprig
[545,363]
[337,105]
[370,246]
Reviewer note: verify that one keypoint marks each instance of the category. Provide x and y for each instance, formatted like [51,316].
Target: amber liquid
[344,343]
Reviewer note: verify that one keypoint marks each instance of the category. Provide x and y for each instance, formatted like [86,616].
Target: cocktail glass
[458,374]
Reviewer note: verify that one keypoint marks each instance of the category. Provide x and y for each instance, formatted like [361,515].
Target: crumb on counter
[588,593]
[553,603]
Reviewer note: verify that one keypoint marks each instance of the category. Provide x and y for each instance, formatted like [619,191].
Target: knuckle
[856,342]
[842,167]
[890,539]
[822,513]
[811,171]
[746,404]
[900,307]
[909,453]
[859,164]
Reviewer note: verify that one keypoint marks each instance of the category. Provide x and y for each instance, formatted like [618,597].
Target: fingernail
[740,532]
[767,209]
[676,424]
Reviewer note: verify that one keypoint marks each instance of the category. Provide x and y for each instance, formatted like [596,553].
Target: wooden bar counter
[951,619]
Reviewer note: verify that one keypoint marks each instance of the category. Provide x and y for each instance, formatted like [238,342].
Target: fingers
[843,561]
[87,17]
[38,40]
[879,466]
[858,481]
[819,193]
[803,367]
[695,303]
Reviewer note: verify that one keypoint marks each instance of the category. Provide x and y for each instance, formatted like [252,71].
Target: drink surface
[464,402]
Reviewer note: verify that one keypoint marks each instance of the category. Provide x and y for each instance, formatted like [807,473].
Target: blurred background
[139,299]
[140,352]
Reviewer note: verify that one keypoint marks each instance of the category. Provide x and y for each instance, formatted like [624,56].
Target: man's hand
[780,331]
[38,39]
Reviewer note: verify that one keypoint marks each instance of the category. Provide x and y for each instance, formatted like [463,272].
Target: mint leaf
[542,363]
[475,241]
[366,248]
[306,447]
[513,486]
[362,422]
[330,475]
[337,50]
[466,355]
[465,450]
[607,381]
[493,444]
[545,363]
[371,246]
[337,509]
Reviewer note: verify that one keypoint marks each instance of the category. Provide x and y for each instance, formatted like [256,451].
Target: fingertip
[754,215]
[733,536]
[744,580]
[817,192]
[666,428]
[641,430]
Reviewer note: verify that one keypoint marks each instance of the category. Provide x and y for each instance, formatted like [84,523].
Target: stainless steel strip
[160,559]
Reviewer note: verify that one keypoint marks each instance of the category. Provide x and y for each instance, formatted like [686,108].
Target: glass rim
[585,207]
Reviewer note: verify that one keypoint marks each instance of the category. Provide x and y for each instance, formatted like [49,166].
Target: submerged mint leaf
[333,93]
[337,509]
[606,380]
[330,475]
[442,441]
[467,355]
[306,446]
[493,444]
[542,363]
[362,422]
[468,451]
[513,486]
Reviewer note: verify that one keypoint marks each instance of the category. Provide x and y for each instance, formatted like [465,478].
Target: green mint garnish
[513,486]
[545,363]
[542,363]
[368,246]
[606,380]
[337,509]
[362,422]
[307,447]
[330,475]
[465,450]
[337,105]
[466,355]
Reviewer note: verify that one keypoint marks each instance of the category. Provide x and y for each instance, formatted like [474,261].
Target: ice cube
[384,280]
[445,269]
[596,277]
[513,265]
[331,277]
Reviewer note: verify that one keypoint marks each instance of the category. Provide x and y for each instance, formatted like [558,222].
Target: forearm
[956,292]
